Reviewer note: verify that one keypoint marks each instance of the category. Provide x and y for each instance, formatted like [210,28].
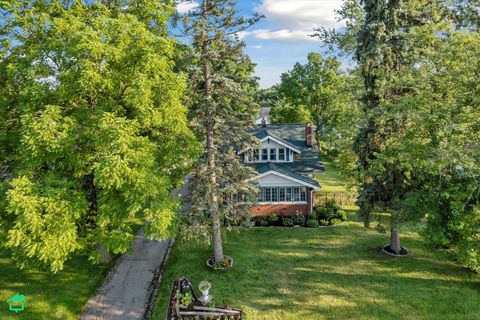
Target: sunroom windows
[283,194]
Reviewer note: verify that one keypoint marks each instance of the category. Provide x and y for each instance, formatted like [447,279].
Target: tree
[390,42]
[103,136]
[220,105]
[441,145]
[315,87]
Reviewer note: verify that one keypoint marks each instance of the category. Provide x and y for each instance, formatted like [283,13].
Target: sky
[282,38]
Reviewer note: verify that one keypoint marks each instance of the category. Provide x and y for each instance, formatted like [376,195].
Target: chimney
[308,134]
[264,122]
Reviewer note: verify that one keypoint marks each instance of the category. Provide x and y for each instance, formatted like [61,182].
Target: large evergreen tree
[391,39]
[102,136]
[221,103]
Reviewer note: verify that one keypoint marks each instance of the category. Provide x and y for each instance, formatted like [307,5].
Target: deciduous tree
[102,133]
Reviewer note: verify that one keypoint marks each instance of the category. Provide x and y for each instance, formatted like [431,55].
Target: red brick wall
[279,209]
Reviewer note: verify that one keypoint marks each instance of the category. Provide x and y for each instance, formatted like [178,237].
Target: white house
[286,162]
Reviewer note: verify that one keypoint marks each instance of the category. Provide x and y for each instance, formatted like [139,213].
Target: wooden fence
[341,198]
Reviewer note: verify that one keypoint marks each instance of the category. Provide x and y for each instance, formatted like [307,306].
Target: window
[282,194]
[268,194]
[281,154]
[288,194]
[273,154]
[274,194]
[260,195]
[264,154]
[296,194]
[256,155]
[303,194]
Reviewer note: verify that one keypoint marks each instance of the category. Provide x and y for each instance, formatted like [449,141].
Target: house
[285,162]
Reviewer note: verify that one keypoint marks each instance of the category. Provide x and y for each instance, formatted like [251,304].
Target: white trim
[291,202]
[281,143]
[285,177]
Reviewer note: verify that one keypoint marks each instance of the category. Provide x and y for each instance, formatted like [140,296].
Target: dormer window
[281,154]
[273,154]
[264,154]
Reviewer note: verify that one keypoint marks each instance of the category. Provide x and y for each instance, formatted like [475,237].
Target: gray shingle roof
[308,162]
[269,166]
[266,133]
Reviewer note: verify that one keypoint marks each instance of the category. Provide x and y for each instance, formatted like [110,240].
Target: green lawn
[332,180]
[328,273]
[49,296]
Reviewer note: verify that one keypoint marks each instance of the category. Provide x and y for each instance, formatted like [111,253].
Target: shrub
[287,222]
[342,215]
[273,218]
[298,219]
[324,222]
[329,212]
[262,222]
[336,221]
[312,223]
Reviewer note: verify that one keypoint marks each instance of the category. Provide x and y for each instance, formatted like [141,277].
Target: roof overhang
[304,183]
[281,142]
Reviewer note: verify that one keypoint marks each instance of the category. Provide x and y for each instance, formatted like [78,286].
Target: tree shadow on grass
[50,296]
[334,273]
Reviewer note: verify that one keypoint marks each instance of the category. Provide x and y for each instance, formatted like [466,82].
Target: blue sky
[281,39]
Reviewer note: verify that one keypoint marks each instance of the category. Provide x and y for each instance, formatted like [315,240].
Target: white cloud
[186,6]
[256,47]
[294,20]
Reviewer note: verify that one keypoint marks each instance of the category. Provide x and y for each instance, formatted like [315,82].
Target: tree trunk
[395,237]
[104,255]
[217,242]
[211,152]
[366,221]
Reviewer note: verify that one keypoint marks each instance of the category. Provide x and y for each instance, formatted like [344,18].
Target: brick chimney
[308,134]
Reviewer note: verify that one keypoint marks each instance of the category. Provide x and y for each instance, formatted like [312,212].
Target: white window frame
[270,190]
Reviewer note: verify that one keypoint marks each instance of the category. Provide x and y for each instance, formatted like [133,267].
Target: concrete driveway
[129,289]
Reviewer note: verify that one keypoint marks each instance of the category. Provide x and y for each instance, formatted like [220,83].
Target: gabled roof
[267,167]
[308,161]
[265,134]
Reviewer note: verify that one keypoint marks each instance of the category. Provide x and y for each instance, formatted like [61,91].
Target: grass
[49,296]
[328,273]
[331,180]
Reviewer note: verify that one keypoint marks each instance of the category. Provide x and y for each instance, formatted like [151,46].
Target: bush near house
[328,215]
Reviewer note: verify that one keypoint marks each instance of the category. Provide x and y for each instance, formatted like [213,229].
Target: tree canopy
[100,136]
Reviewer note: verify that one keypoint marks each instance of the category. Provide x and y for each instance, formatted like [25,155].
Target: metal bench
[196,310]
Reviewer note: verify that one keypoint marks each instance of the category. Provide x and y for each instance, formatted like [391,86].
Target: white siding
[271,145]
[273,180]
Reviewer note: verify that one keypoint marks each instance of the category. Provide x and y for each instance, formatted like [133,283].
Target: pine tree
[102,134]
[221,103]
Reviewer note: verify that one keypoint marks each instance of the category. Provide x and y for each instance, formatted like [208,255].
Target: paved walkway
[130,287]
